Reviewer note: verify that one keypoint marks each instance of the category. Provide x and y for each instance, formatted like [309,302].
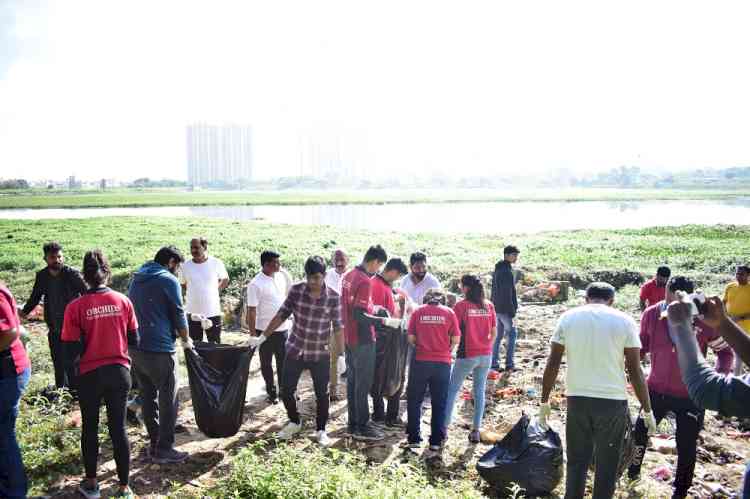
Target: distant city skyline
[219,153]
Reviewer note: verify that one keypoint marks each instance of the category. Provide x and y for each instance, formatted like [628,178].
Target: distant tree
[14,183]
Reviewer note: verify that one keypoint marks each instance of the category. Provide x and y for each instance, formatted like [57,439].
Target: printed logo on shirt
[101,311]
[432,319]
[477,312]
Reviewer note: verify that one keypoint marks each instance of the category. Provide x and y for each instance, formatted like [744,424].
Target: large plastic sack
[390,372]
[218,382]
[528,456]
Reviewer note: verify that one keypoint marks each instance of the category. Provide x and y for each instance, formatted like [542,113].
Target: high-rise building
[218,154]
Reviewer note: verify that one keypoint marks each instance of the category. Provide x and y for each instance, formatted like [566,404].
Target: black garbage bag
[218,382]
[528,456]
[390,364]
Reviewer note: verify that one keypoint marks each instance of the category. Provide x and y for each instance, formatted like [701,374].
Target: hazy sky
[105,89]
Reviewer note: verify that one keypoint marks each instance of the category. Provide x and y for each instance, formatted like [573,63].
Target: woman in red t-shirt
[14,376]
[102,323]
[476,317]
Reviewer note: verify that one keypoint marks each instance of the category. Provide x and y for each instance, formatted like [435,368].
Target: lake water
[508,217]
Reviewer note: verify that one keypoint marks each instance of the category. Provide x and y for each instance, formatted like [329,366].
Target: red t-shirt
[434,325]
[103,318]
[382,294]
[355,293]
[9,320]
[652,293]
[476,325]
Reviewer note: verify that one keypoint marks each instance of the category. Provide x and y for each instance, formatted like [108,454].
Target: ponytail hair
[96,271]
[475,293]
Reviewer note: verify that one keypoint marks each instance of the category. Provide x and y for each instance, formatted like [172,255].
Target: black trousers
[689,423]
[65,376]
[111,384]
[594,428]
[195,330]
[273,347]
[319,370]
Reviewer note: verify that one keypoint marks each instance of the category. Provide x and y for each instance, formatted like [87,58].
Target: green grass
[707,253]
[261,473]
[51,448]
[173,197]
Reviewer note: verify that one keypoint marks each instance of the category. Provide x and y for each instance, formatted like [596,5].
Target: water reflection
[515,217]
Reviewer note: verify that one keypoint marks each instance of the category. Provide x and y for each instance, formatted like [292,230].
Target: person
[334,276]
[667,391]
[382,298]
[15,371]
[317,311]
[58,284]
[478,323]
[505,301]
[737,302]
[265,294]
[727,394]
[599,342]
[102,322]
[155,293]
[419,280]
[435,333]
[652,291]
[203,278]
[359,333]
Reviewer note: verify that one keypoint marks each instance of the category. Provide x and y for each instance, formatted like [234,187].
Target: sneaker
[169,456]
[475,437]
[86,491]
[368,433]
[124,494]
[288,431]
[411,445]
[323,439]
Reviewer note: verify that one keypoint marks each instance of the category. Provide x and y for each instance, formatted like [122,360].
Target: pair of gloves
[206,323]
[545,411]
[256,341]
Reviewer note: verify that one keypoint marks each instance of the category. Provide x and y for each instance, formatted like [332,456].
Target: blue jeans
[436,376]
[504,323]
[478,367]
[360,364]
[13,482]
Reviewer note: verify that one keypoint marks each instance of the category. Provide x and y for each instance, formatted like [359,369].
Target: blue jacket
[157,299]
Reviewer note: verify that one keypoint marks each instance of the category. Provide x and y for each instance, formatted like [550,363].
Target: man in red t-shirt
[652,292]
[359,332]
[434,331]
[14,376]
[383,302]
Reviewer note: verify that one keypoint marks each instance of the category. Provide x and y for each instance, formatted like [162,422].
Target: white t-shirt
[202,283]
[267,294]
[595,337]
[416,291]
[333,280]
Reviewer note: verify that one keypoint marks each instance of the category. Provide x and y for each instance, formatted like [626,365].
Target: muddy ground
[718,473]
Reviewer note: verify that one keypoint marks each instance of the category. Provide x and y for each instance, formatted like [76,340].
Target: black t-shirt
[54,300]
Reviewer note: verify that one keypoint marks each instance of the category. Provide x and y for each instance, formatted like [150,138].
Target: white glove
[545,411]
[392,323]
[187,343]
[256,341]
[650,420]
[206,324]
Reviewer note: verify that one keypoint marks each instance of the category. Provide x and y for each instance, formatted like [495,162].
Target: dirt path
[718,472]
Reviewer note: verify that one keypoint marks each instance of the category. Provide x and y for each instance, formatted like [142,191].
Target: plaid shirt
[313,319]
